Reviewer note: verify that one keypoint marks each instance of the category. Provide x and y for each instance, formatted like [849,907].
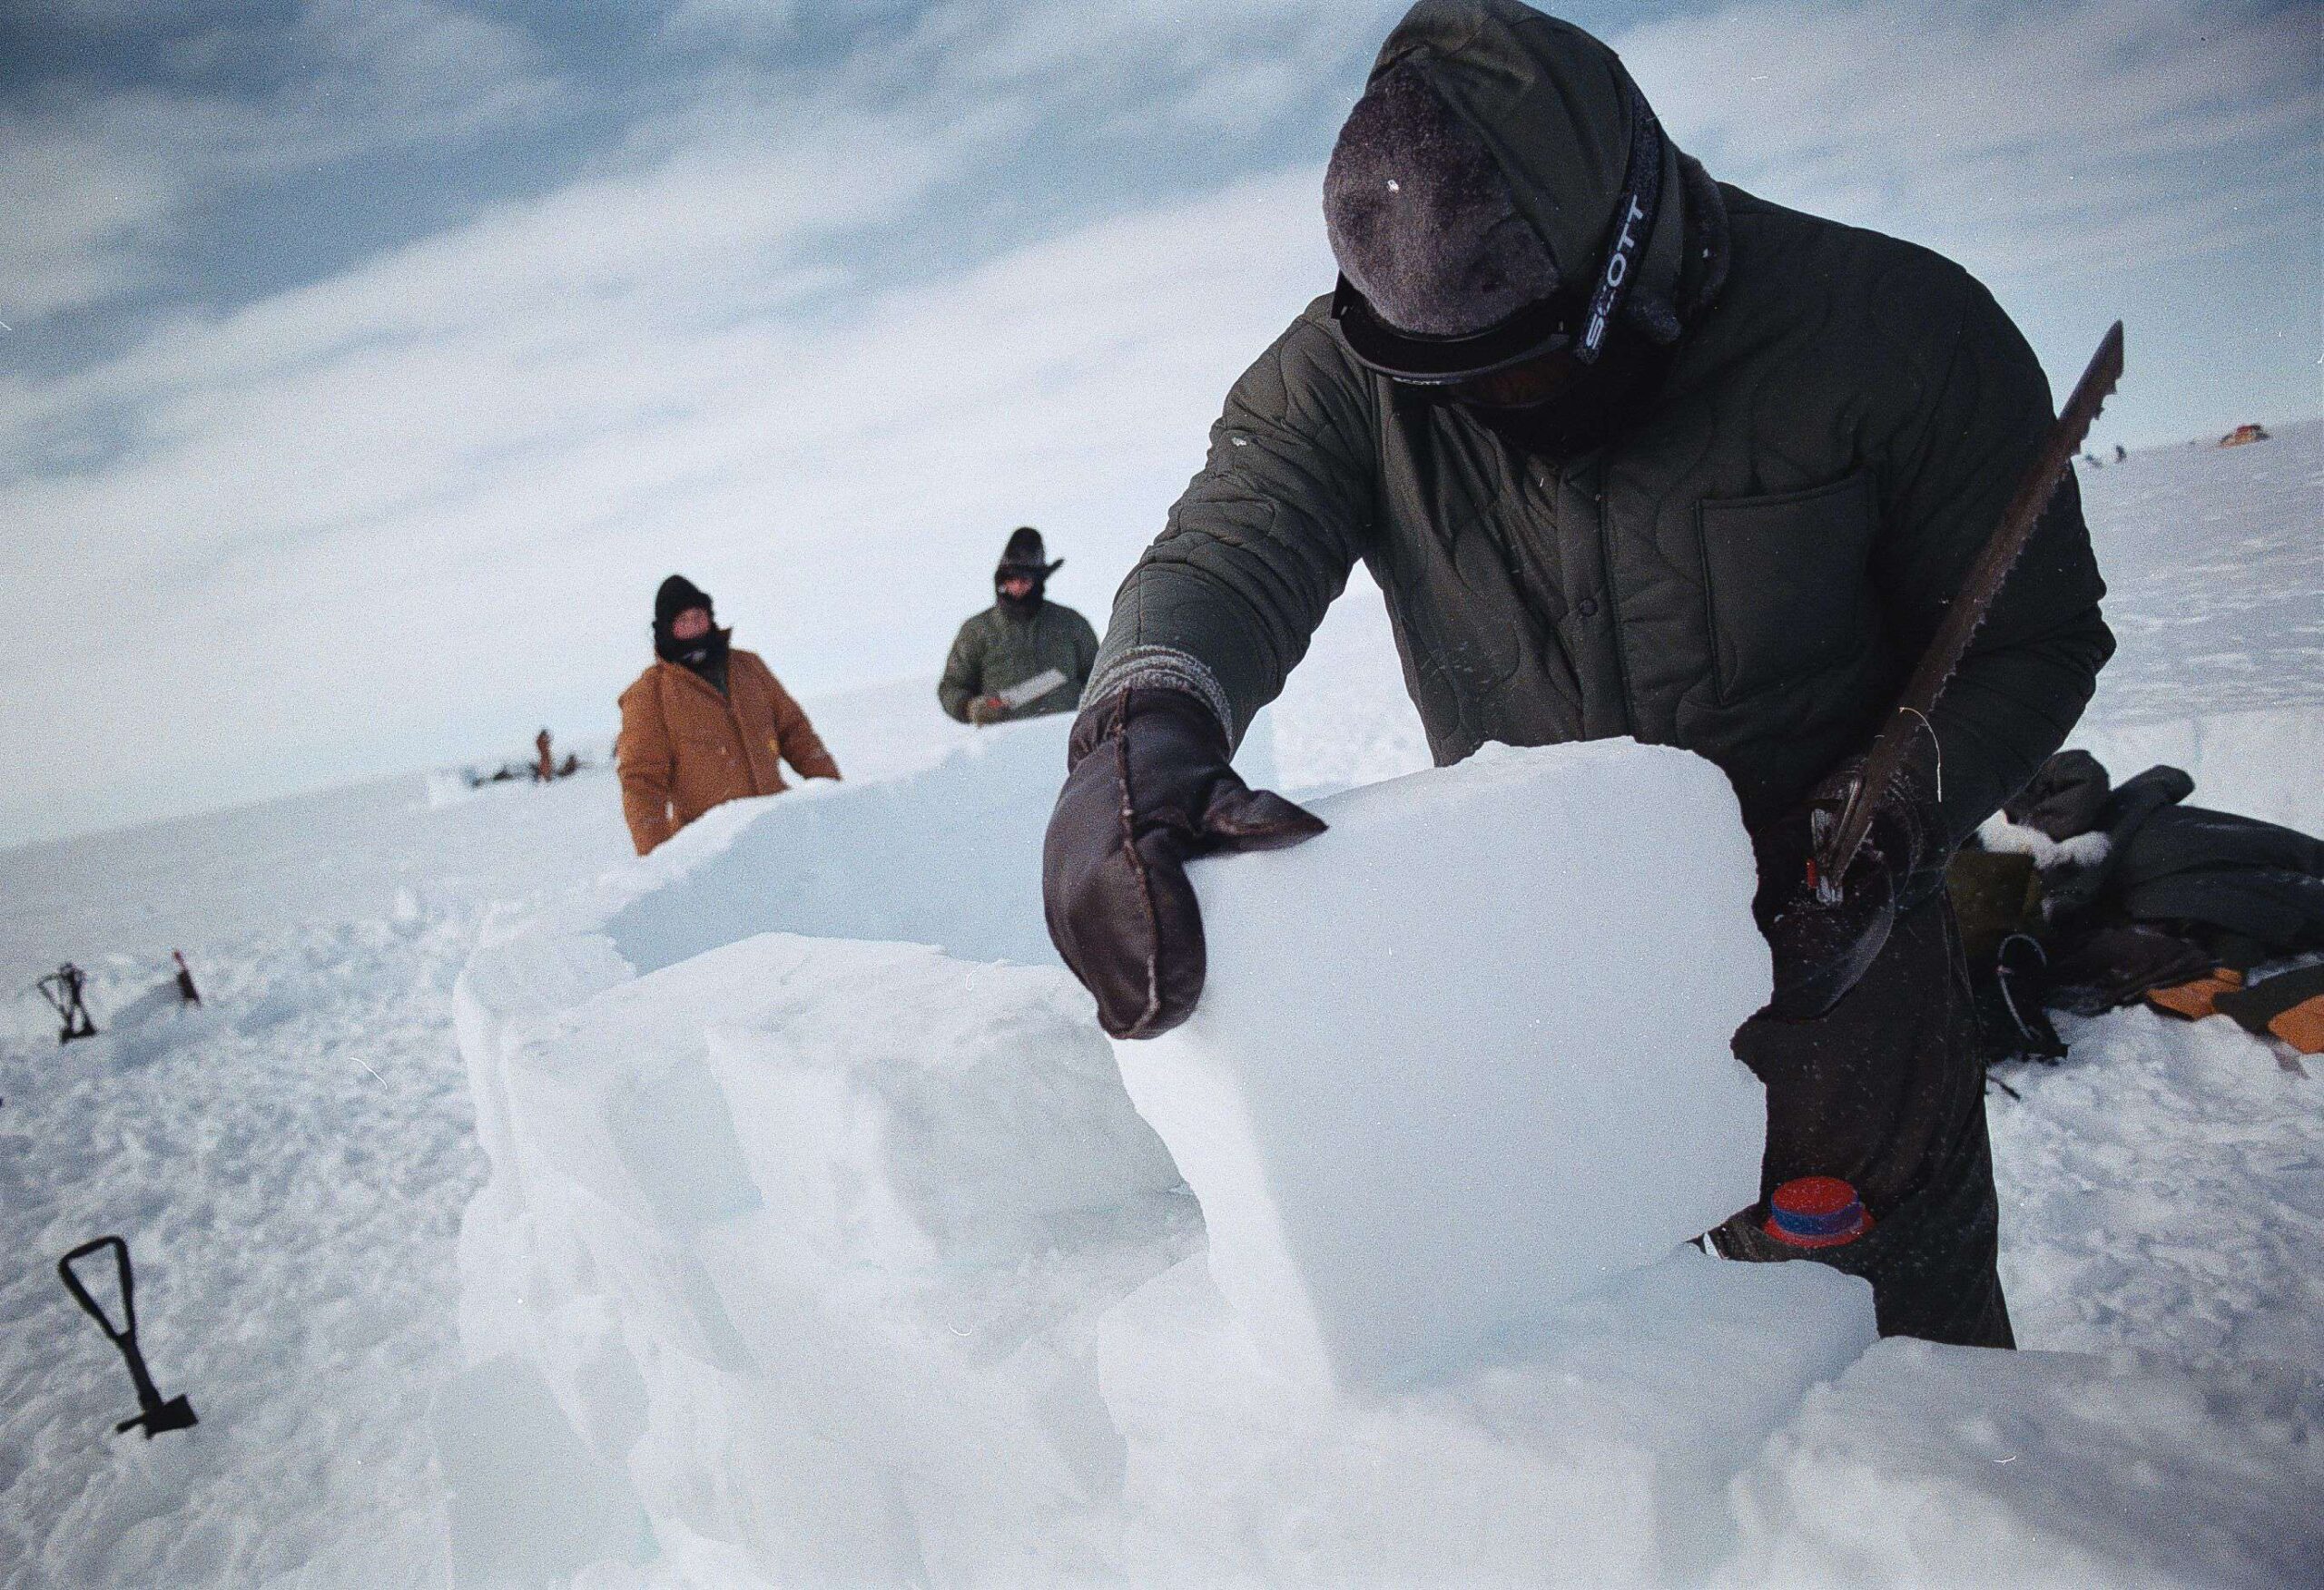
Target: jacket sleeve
[1226,599]
[803,748]
[647,766]
[2032,666]
[963,678]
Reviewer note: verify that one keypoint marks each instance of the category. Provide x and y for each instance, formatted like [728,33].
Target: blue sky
[367,364]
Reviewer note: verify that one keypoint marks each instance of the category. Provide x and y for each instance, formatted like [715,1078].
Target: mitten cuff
[1163,668]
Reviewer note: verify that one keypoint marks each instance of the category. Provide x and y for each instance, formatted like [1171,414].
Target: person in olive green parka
[1023,635]
[1629,452]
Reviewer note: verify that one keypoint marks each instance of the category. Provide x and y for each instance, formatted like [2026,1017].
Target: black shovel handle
[154,1415]
[127,1335]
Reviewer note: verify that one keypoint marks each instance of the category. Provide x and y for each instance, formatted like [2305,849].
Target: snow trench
[823,1244]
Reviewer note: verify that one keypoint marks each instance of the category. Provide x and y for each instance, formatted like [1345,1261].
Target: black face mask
[705,651]
[1023,607]
[1605,401]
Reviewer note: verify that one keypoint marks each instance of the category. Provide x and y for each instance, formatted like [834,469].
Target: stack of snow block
[808,1259]
[1466,1054]
[766,1277]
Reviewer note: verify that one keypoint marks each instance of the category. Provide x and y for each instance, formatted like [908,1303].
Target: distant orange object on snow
[2242,433]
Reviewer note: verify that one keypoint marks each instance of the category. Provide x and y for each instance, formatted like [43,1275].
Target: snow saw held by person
[1629,452]
[706,723]
[1025,656]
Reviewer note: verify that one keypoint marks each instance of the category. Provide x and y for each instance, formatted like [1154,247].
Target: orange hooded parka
[685,748]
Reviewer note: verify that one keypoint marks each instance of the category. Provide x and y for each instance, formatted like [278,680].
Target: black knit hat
[677,593]
[1025,555]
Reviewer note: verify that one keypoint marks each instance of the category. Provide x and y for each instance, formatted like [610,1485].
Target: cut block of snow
[793,1230]
[527,1502]
[949,856]
[1466,1054]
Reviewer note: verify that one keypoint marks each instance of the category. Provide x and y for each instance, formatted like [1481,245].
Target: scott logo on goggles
[1618,270]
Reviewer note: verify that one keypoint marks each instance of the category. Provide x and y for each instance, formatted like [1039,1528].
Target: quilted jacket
[995,649]
[1748,571]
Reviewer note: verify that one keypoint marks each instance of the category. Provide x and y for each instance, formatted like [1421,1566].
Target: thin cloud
[77,205]
[98,179]
[728,22]
[2028,141]
[484,443]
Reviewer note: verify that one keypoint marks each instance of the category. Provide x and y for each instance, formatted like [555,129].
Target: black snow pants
[1885,1091]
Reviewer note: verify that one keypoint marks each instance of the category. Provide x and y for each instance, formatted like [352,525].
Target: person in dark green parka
[1023,635]
[1628,452]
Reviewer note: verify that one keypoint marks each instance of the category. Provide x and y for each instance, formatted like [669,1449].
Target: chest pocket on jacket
[1786,578]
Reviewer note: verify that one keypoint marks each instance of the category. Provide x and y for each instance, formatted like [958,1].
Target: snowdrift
[823,1244]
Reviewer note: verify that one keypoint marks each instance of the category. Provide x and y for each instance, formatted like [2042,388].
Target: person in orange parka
[706,723]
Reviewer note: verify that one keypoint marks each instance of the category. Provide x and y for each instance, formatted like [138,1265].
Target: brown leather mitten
[1148,790]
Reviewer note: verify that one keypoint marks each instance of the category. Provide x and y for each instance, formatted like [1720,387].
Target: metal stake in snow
[155,1415]
[1829,864]
[62,989]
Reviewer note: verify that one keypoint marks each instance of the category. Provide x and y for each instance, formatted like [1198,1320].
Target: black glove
[1822,949]
[1147,789]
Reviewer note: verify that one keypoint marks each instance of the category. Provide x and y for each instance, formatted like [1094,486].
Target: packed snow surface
[288,1165]
[1930,1464]
[2213,570]
[818,1143]
[1446,1073]
[2172,1171]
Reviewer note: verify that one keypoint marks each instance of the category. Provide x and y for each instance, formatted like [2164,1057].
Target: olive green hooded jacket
[1748,572]
[995,649]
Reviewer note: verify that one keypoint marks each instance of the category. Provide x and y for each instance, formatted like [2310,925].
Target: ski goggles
[1572,320]
[1416,360]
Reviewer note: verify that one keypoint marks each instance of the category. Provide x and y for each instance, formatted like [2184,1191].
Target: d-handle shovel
[177,1413]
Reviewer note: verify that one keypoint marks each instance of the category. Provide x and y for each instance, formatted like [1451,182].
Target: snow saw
[1029,690]
[1828,864]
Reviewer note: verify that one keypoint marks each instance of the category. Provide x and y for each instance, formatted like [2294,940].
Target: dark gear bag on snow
[2141,891]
